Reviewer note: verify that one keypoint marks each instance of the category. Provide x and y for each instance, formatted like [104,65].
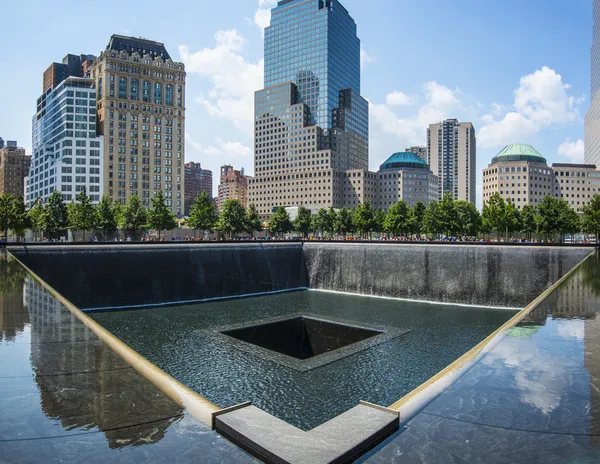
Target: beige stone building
[576,183]
[14,167]
[141,116]
[520,174]
[233,186]
[360,186]
[452,156]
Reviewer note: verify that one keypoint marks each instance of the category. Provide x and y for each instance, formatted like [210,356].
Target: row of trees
[447,217]
[56,217]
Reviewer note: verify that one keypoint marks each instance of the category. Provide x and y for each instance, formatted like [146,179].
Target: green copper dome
[404,160]
[519,152]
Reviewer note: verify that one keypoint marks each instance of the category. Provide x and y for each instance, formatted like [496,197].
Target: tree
[364,219]
[106,216]
[493,214]
[160,216]
[469,219]
[55,217]
[232,219]
[330,224]
[133,216]
[379,221]
[204,214]
[253,222]
[398,219]
[35,216]
[418,215]
[548,216]
[82,213]
[591,217]
[5,213]
[431,222]
[448,215]
[343,222]
[512,219]
[303,221]
[528,225]
[20,218]
[321,222]
[280,222]
[569,222]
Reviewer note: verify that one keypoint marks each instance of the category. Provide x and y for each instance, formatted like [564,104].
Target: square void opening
[302,337]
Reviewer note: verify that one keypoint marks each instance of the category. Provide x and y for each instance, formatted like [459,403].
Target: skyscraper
[141,116]
[66,150]
[452,153]
[233,186]
[311,124]
[14,167]
[197,180]
[592,119]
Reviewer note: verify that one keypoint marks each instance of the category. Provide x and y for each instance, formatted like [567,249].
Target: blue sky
[517,69]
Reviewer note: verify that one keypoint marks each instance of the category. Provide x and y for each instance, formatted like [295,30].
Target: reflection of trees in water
[13,317]
[84,385]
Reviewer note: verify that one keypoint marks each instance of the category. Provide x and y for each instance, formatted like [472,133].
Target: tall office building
[141,117]
[311,124]
[14,167]
[197,180]
[592,119]
[421,152]
[452,156]
[66,150]
[233,186]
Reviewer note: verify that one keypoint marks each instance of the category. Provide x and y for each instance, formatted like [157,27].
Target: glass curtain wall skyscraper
[592,119]
[311,124]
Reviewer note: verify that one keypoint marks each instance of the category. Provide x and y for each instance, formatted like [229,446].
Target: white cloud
[574,151]
[541,101]
[365,58]
[234,80]
[398,99]
[262,16]
[226,150]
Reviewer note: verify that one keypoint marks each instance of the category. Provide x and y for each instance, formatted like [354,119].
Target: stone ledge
[342,439]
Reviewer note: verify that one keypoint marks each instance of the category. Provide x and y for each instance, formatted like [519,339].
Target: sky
[517,69]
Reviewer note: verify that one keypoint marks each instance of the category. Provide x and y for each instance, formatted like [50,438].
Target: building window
[158,93]
[146,91]
[135,89]
[169,94]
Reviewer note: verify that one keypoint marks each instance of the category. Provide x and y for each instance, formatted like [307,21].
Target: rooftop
[519,152]
[138,44]
[404,160]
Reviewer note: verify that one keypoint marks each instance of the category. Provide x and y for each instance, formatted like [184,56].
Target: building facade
[521,175]
[592,119]
[405,176]
[452,156]
[233,186]
[14,167]
[421,152]
[311,124]
[71,66]
[141,117]
[197,180]
[66,152]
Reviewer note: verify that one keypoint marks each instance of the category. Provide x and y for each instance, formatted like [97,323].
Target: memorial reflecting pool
[187,343]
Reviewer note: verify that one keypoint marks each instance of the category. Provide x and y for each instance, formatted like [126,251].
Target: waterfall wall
[130,275]
[478,275]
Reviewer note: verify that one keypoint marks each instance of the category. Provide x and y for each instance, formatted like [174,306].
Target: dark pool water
[184,342]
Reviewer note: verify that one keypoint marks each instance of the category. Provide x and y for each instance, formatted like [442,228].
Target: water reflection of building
[12,318]
[83,384]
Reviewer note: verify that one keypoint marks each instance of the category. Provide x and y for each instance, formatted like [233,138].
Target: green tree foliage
[303,221]
[133,217]
[591,217]
[20,220]
[6,201]
[331,217]
[280,222]
[431,222]
[160,216]
[570,223]
[418,216]
[398,220]
[364,219]
[253,222]
[233,218]
[448,215]
[469,219]
[343,222]
[55,217]
[500,216]
[556,216]
[204,214]
[35,215]
[107,216]
[379,221]
[528,225]
[82,213]
[321,222]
